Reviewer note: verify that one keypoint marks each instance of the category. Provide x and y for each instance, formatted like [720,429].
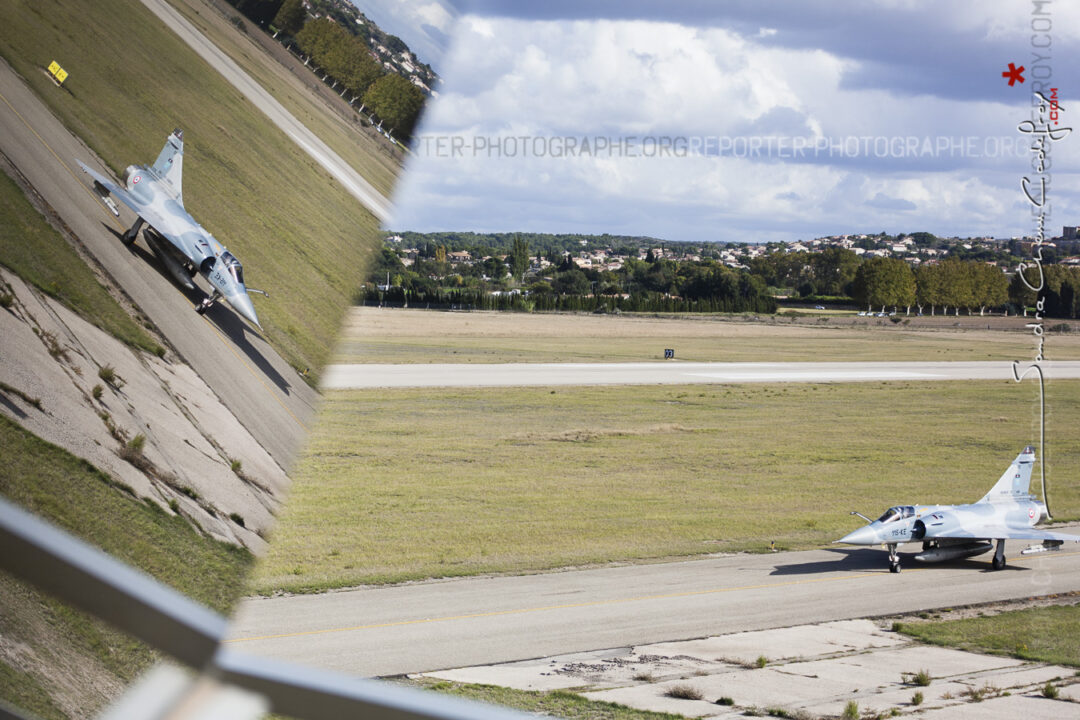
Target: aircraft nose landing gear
[894,559]
[206,304]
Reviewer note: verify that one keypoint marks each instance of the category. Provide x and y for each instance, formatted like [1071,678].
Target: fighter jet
[183,246]
[949,532]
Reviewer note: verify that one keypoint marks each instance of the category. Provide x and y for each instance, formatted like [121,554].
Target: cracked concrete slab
[814,670]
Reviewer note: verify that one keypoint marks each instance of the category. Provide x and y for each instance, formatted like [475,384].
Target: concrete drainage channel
[809,671]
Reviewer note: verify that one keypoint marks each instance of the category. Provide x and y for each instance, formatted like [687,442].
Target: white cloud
[542,81]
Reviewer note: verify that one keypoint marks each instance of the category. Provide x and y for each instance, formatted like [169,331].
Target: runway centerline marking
[594,603]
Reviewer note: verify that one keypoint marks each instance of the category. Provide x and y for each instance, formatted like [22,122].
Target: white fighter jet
[949,532]
[183,246]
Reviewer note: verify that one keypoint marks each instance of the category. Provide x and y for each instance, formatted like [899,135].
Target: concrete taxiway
[811,670]
[340,377]
[429,626]
[261,389]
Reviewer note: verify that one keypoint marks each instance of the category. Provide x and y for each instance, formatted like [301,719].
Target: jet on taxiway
[948,532]
[183,246]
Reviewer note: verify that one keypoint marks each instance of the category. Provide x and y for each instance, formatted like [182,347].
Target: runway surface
[458,623]
[260,388]
[339,377]
[319,151]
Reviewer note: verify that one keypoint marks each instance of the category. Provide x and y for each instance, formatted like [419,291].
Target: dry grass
[376,335]
[406,484]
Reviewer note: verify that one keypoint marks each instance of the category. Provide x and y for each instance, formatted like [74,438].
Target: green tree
[349,62]
[571,282]
[519,257]
[495,269]
[925,239]
[317,37]
[882,281]
[929,287]
[834,270]
[991,288]
[290,17]
[957,285]
[1020,294]
[397,102]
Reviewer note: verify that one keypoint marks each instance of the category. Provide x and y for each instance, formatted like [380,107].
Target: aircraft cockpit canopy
[234,266]
[896,513]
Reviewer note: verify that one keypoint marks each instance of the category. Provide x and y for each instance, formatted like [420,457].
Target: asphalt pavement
[436,625]
[339,377]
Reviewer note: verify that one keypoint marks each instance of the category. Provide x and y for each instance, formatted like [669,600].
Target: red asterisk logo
[1014,73]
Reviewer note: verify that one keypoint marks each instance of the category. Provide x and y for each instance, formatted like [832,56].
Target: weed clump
[683,692]
[109,375]
[132,452]
[921,678]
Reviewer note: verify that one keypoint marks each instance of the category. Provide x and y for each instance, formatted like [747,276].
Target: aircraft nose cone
[242,304]
[862,536]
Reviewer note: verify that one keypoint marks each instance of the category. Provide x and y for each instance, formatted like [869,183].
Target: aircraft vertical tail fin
[169,165]
[1015,482]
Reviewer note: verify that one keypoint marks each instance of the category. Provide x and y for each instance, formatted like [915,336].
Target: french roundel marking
[1031,512]
[136,179]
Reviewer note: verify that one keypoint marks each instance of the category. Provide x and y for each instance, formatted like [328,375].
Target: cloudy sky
[740,121]
[424,25]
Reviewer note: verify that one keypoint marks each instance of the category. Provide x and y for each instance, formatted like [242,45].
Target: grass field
[34,251]
[1049,634]
[374,335]
[406,484]
[53,639]
[299,234]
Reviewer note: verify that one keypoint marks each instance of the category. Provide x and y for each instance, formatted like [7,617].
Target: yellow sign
[57,72]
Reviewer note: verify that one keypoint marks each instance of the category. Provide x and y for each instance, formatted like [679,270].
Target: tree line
[346,59]
[652,285]
[964,284]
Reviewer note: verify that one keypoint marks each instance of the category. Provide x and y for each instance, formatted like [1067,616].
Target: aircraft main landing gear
[128,238]
[894,559]
[998,562]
